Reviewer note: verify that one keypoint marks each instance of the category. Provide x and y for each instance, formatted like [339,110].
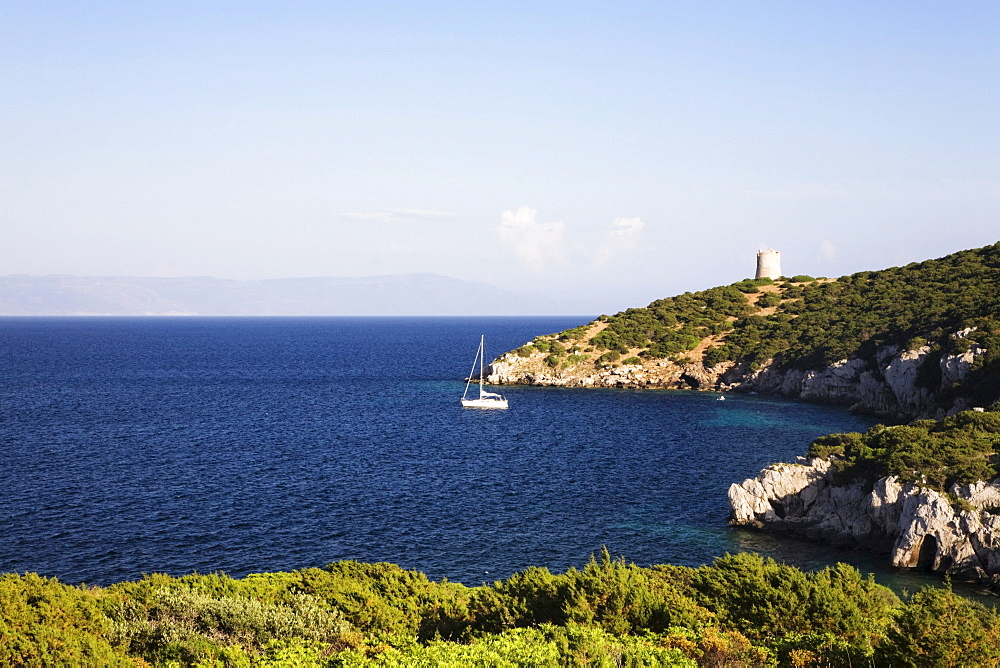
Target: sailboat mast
[482,357]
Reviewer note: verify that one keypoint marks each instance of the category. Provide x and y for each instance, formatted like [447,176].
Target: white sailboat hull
[486,399]
[484,403]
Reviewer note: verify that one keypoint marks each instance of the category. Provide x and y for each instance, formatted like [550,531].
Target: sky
[616,152]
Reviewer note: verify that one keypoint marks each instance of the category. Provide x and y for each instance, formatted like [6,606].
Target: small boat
[720,398]
[486,399]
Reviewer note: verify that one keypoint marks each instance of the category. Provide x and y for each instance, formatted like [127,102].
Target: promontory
[922,340]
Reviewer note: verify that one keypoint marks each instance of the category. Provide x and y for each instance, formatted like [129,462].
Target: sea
[131,446]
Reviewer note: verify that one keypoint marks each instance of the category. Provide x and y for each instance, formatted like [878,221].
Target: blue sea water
[133,445]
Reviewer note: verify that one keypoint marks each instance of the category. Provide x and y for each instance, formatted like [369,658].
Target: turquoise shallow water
[244,445]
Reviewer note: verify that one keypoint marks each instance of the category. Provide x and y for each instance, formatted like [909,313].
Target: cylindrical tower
[768,264]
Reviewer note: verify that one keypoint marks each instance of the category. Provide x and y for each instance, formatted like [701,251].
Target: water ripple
[172,445]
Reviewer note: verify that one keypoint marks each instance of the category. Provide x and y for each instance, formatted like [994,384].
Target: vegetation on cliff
[948,304]
[963,448]
[742,610]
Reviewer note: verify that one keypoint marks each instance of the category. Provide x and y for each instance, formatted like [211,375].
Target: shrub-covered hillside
[963,449]
[742,610]
[948,304]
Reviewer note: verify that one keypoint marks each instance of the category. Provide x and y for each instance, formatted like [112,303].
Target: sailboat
[486,399]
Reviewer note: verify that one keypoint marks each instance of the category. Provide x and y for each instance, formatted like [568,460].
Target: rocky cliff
[891,384]
[918,527]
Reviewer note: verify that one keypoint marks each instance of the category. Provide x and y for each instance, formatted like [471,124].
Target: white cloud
[535,244]
[827,251]
[623,236]
[626,228]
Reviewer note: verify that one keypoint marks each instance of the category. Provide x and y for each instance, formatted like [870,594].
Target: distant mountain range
[397,294]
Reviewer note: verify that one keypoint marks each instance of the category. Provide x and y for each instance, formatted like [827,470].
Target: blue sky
[622,152]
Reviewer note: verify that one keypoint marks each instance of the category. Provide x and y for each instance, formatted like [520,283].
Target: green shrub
[617,597]
[743,610]
[380,598]
[819,649]
[190,626]
[715,355]
[574,334]
[589,646]
[752,285]
[959,504]
[608,358]
[761,598]
[961,448]
[46,623]
[936,627]
[547,646]
[623,598]
[574,360]
[632,360]
[769,299]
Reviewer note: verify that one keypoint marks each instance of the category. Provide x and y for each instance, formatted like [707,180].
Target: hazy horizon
[387,295]
[611,153]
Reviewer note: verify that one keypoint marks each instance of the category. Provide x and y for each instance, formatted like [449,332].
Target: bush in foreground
[743,610]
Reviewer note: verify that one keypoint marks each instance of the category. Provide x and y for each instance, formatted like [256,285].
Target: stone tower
[768,264]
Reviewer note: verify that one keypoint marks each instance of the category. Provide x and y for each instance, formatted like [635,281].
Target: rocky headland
[902,343]
[955,533]
[888,384]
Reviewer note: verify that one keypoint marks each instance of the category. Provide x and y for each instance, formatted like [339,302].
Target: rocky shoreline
[956,534]
[887,385]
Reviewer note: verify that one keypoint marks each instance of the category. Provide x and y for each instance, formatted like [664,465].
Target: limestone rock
[901,376]
[954,368]
[885,384]
[915,526]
